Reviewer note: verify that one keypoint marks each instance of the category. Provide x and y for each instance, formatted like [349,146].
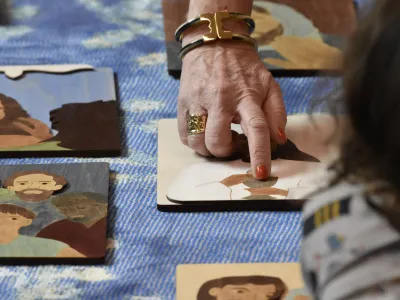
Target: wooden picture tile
[295,38]
[59,111]
[278,281]
[53,213]
[189,182]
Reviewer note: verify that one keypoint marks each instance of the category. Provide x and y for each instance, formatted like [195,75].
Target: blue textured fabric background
[127,35]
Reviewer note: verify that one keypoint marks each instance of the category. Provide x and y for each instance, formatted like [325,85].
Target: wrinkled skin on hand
[228,82]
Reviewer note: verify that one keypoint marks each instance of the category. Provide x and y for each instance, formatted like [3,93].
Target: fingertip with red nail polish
[261,172]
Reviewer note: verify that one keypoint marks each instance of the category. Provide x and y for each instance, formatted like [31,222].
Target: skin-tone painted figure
[12,244]
[34,186]
[243,288]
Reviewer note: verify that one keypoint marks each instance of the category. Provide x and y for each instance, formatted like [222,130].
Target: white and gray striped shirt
[349,250]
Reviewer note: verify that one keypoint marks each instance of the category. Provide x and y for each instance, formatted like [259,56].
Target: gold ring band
[196,124]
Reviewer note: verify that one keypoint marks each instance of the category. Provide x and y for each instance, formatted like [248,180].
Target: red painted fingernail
[281,133]
[261,172]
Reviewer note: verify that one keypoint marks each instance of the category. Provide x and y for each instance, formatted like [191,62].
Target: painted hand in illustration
[256,188]
[304,53]
[34,127]
[228,82]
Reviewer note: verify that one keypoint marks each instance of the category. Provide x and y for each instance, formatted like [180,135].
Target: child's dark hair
[371,100]
[17,210]
[204,291]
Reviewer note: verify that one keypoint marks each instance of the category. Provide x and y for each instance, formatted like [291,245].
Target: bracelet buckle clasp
[216,26]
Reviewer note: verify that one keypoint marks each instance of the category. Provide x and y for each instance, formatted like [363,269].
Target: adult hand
[228,82]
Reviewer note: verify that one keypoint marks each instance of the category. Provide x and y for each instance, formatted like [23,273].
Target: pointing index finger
[254,123]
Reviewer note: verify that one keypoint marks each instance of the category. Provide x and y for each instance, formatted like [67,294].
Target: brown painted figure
[87,126]
[13,244]
[243,288]
[17,127]
[85,226]
[288,151]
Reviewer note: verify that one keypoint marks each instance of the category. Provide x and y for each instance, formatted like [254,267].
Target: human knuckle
[257,123]
[197,88]
[195,142]
[258,152]
[221,151]
[221,90]
[257,69]
[265,76]
[184,140]
[181,112]
[221,111]
[225,89]
[206,96]
[280,111]
[182,102]
[213,142]
[218,144]
[248,94]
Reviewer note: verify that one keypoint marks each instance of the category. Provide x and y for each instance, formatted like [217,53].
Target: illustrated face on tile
[242,288]
[34,186]
[244,292]
[80,208]
[13,221]
[12,218]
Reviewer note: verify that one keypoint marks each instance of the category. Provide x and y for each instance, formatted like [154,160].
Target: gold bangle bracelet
[204,18]
[217,32]
[235,37]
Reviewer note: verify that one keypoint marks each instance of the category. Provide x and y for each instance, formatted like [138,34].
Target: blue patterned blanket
[147,245]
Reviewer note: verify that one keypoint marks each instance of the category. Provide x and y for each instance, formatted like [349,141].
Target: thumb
[275,113]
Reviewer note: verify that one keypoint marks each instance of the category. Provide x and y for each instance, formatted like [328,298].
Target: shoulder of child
[329,194]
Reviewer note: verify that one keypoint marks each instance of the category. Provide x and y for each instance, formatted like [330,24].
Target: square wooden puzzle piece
[189,182]
[58,110]
[55,213]
[277,281]
[295,38]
